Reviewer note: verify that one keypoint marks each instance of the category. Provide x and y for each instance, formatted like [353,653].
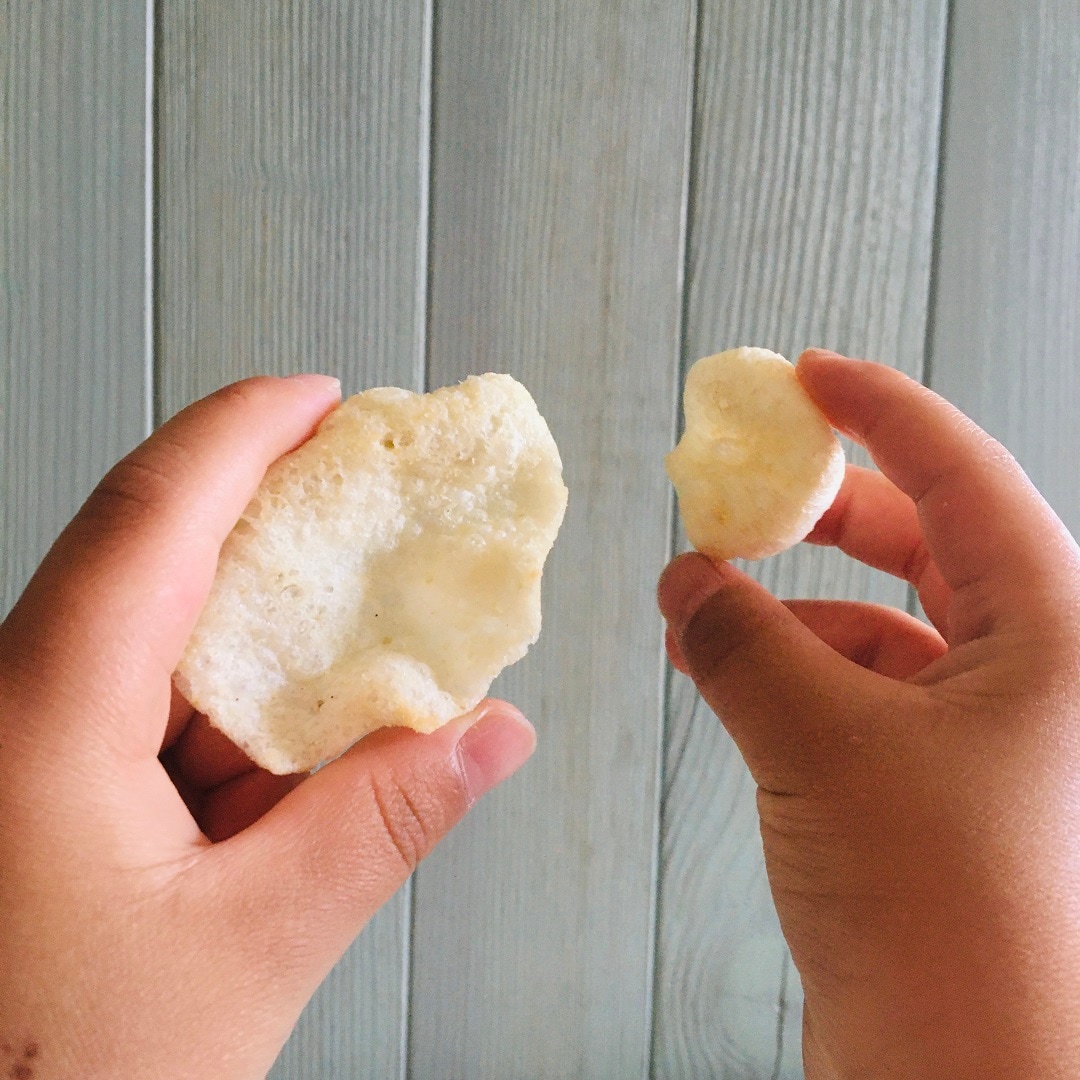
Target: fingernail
[684,586]
[674,651]
[327,384]
[493,748]
[825,354]
[822,354]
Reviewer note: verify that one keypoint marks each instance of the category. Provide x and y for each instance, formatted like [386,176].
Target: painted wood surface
[291,235]
[811,218]
[558,179]
[1006,318]
[615,189]
[73,373]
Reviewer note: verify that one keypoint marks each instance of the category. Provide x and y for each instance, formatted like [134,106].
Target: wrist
[972,1026]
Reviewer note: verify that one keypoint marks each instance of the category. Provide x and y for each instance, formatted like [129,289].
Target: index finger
[995,540]
[117,596]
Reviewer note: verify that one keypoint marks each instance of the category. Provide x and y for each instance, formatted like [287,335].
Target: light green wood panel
[291,231]
[72,262]
[811,216]
[291,212]
[557,195]
[1006,329]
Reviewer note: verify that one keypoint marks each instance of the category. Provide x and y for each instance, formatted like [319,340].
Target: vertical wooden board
[1005,345]
[556,219]
[292,193]
[72,262]
[292,179]
[811,217]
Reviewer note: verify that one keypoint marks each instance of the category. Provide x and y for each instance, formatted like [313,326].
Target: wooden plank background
[559,142]
[589,195]
[73,357]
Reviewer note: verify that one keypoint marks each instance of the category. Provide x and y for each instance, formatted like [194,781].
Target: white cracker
[758,464]
[384,574]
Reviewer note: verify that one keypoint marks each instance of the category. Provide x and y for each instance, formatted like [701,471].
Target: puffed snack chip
[383,574]
[758,464]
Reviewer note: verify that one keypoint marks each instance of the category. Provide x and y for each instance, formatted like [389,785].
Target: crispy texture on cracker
[758,464]
[384,573]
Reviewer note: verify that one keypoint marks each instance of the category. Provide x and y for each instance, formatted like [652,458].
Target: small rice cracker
[758,464]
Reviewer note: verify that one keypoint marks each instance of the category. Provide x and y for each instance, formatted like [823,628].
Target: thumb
[791,703]
[335,849]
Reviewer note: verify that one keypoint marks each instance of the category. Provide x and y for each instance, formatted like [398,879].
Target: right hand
[919,787]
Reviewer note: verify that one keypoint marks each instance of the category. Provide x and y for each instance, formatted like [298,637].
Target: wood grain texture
[292,144]
[72,273]
[1005,345]
[292,193]
[811,219]
[556,246]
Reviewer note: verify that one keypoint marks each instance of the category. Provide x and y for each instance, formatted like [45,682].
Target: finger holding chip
[917,790]
[122,586]
[993,537]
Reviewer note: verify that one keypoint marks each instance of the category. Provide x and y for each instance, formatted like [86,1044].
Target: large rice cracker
[384,573]
[758,464]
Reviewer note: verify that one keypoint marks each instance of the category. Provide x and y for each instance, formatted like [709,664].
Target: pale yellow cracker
[758,464]
[384,574]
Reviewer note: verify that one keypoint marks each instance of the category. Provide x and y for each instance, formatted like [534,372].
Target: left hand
[167,908]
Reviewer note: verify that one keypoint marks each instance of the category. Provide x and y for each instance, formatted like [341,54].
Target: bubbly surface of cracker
[758,463]
[384,573]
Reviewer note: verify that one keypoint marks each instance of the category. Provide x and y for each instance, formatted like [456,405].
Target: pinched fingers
[239,802]
[224,790]
[206,757]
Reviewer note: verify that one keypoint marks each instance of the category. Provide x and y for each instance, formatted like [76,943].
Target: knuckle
[410,827]
[247,392]
[136,487]
[916,564]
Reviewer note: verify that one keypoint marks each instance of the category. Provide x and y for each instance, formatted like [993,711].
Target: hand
[919,788]
[142,933]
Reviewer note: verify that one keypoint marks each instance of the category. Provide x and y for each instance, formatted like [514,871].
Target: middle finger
[873,521]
